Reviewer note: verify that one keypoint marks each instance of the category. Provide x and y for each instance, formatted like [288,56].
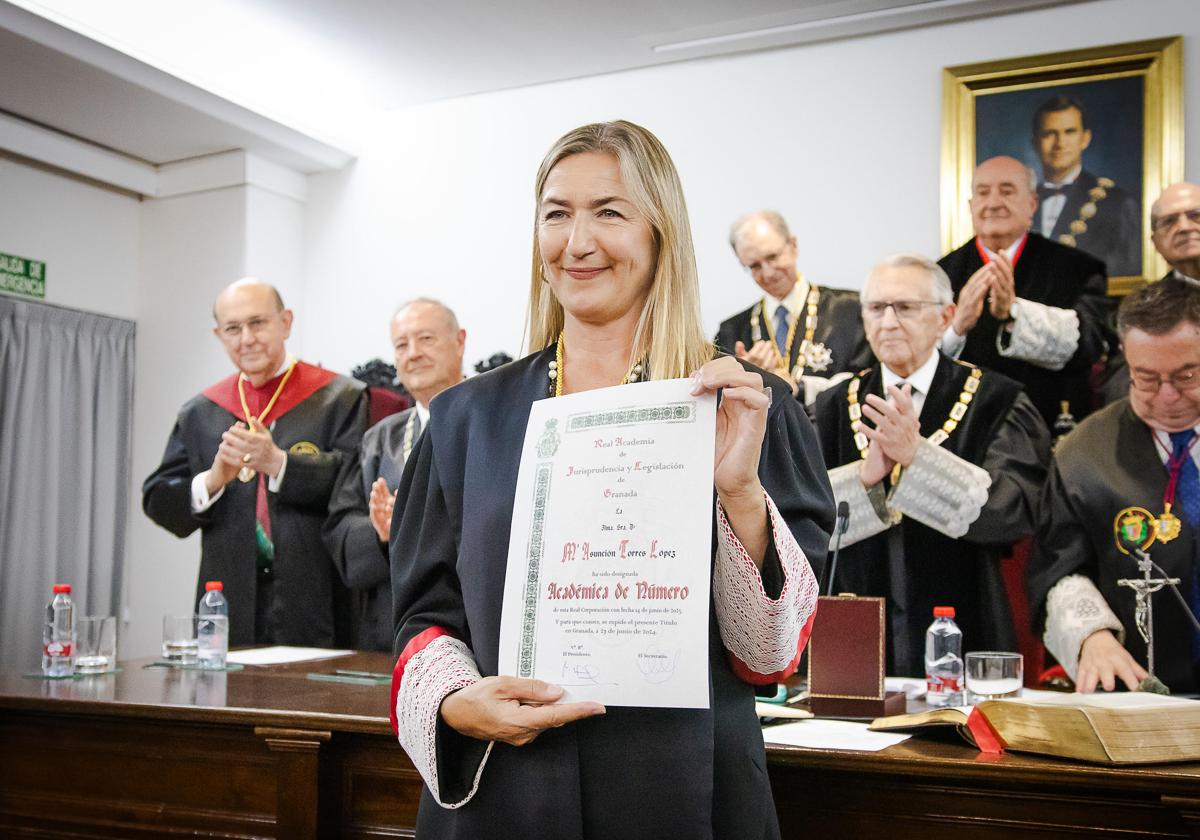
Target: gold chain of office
[957,412]
[758,320]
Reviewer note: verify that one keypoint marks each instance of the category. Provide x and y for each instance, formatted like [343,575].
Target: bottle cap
[946,612]
[62,587]
[213,584]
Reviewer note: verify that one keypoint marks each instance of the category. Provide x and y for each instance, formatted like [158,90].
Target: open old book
[1120,728]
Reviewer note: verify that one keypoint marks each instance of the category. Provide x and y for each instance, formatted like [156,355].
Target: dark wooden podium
[268,753]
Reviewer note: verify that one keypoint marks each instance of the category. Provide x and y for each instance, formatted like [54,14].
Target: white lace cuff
[1046,336]
[442,666]
[941,490]
[1075,609]
[865,517]
[764,636]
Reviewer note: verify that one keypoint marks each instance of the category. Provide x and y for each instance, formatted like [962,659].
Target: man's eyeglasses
[233,329]
[1165,223]
[1186,379]
[905,310]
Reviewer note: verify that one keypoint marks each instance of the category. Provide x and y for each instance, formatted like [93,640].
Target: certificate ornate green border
[681,412]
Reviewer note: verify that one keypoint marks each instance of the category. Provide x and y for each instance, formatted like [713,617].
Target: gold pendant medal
[1168,525]
[246,474]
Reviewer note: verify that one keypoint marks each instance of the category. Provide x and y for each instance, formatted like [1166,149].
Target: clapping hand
[896,435]
[380,505]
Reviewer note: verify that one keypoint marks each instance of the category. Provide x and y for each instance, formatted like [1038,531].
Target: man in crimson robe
[251,462]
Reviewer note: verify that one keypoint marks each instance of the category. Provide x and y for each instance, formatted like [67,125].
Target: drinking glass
[96,644]
[993,674]
[179,645]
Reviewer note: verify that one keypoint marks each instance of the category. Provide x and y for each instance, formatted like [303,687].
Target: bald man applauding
[251,463]
[1029,308]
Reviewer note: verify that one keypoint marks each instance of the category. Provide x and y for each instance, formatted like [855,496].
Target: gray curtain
[66,407]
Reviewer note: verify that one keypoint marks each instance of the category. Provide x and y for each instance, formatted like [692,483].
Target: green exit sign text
[22,276]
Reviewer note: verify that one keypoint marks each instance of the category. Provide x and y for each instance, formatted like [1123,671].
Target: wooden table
[267,752]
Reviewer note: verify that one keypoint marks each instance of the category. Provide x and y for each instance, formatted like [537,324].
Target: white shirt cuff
[201,501]
[952,343]
[273,484]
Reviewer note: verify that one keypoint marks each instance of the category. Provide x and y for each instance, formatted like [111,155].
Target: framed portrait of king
[1102,131]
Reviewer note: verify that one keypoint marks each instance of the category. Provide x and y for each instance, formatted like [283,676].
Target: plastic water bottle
[943,660]
[212,629]
[58,637]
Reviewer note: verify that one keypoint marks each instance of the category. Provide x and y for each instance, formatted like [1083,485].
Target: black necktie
[1047,190]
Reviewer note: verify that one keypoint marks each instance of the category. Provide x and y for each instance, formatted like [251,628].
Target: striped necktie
[781,329]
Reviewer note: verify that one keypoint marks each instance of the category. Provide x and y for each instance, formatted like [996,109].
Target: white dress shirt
[1052,207]
[921,380]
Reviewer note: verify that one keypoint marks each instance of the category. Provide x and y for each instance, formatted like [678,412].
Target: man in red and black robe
[251,462]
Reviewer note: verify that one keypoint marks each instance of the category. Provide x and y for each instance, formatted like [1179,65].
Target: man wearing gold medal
[810,336]
[1139,452]
[428,345]
[251,463]
[940,462]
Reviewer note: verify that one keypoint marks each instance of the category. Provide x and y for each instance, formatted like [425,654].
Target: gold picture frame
[1156,68]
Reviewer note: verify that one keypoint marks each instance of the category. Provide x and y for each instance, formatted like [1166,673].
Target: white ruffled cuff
[442,666]
[1075,609]
[764,635]
[1046,336]
[865,518]
[941,490]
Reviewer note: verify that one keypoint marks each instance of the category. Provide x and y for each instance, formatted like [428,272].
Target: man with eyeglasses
[251,463]
[809,335]
[1138,452]
[940,463]
[1032,309]
[1175,226]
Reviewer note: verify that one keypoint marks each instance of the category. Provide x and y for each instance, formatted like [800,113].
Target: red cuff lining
[415,645]
[746,674]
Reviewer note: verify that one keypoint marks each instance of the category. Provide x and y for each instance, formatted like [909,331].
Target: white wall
[842,137]
[192,246]
[86,235]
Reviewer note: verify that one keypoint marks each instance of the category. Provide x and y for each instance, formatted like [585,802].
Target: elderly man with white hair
[941,463]
[1175,226]
[1028,307]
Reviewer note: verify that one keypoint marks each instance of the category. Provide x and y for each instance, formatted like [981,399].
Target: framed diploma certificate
[607,588]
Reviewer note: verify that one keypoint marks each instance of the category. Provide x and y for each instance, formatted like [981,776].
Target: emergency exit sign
[22,276]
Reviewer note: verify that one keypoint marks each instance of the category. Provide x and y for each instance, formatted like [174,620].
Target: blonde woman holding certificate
[613,299]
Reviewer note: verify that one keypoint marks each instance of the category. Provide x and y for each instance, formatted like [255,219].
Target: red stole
[306,380]
[1016,254]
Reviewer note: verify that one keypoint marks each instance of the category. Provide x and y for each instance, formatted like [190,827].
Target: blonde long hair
[668,331]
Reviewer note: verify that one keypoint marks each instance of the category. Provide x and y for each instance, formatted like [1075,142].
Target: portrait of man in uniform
[1100,130]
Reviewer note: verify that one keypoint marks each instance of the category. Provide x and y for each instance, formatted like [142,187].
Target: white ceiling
[162,81]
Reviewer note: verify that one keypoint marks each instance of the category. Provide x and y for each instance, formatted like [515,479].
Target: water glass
[992,675]
[179,645]
[96,644]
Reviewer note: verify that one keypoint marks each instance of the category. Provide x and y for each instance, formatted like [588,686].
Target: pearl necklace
[637,372]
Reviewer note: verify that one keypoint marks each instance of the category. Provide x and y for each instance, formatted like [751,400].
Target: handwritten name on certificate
[607,589]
